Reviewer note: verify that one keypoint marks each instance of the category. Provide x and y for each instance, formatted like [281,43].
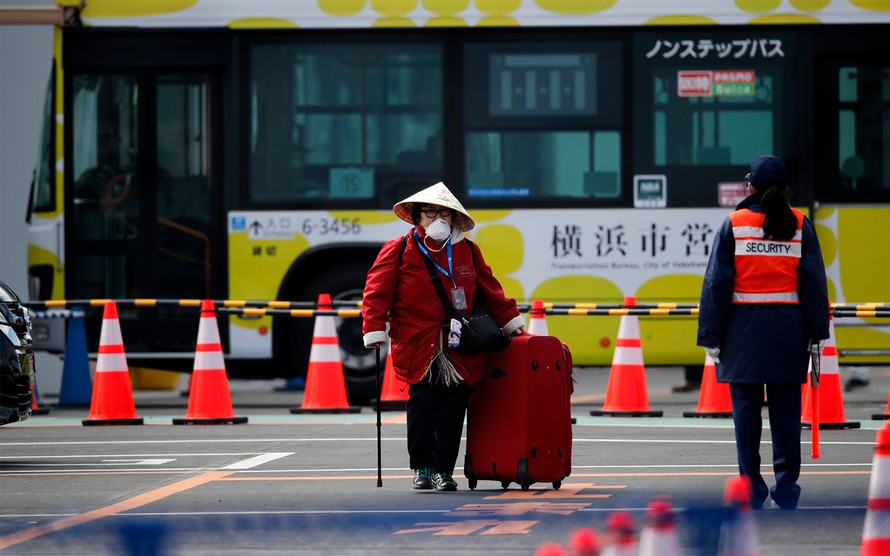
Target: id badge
[459,299]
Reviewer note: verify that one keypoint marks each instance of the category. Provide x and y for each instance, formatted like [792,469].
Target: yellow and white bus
[254,149]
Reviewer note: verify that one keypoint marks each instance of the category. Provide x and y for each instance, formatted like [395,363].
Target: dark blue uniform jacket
[762,343]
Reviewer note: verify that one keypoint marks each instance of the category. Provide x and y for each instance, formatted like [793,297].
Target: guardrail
[352,309]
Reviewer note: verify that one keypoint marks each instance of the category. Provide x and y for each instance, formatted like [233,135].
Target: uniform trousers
[435,423]
[784,420]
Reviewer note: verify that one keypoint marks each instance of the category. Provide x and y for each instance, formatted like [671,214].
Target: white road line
[258,460]
[200,441]
[382,511]
[97,456]
[99,463]
[575,468]
[399,439]
[695,441]
[247,512]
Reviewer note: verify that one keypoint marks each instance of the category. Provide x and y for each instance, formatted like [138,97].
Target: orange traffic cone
[738,532]
[831,403]
[876,533]
[659,536]
[626,392]
[537,323]
[325,384]
[112,402]
[883,416]
[550,549]
[713,399]
[37,407]
[210,401]
[394,392]
[619,537]
[584,542]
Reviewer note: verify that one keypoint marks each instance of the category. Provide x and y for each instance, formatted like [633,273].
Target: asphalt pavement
[288,483]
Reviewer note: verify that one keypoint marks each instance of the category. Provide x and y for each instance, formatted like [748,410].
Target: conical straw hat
[435,195]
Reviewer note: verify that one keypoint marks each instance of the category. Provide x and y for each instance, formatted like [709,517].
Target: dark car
[16,358]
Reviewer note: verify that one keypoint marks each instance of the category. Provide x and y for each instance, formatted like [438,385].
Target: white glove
[714,352]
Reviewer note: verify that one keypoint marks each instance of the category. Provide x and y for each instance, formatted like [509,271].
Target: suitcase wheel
[472,483]
[505,485]
[556,485]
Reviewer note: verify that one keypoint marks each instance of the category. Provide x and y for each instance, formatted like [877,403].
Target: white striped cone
[626,392]
[112,401]
[537,323]
[620,539]
[659,536]
[738,532]
[714,399]
[876,532]
[394,391]
[325,384]
[210,401]
[831,403]
[585,541]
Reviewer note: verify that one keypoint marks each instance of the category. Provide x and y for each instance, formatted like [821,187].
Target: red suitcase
[519,420]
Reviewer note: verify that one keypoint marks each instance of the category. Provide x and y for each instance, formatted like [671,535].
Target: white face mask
[439,230]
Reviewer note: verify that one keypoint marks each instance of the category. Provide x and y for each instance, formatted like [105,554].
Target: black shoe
[686,387]
[423,478]
[855,383]
[443,481]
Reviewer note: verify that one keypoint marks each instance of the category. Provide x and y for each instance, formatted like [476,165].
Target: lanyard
[426,253]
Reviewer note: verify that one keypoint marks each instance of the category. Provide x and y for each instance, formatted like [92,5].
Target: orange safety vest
[765,269]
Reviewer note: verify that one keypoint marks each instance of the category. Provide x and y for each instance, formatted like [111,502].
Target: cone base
[39,411]
[350,409]
[628,413]
[102,422]
[713,414]
[880,416]
[391,405]
[211,421]
[832,426]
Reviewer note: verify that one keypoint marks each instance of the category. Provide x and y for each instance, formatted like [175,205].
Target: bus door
[851,166]
[852,98]
[143,206]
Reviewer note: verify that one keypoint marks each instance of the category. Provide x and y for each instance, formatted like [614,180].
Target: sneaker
[443,481]
[422,478]
[855,383]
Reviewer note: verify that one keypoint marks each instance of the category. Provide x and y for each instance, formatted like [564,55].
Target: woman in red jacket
[399,292]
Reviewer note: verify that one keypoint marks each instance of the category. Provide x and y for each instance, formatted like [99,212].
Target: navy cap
[766,168]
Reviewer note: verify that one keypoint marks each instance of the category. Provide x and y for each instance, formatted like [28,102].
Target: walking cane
[815,371]
[377,387]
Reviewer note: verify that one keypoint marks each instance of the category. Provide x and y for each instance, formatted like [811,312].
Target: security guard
[764,300]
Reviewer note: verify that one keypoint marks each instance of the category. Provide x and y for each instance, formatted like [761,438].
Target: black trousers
[435,423]
[784,422]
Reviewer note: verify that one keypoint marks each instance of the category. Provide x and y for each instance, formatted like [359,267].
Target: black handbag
[479,331]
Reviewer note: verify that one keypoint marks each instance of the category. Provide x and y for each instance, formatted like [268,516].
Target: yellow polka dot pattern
[481,13]
[341,7]
[135,8]
[574,7]
[758,6]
